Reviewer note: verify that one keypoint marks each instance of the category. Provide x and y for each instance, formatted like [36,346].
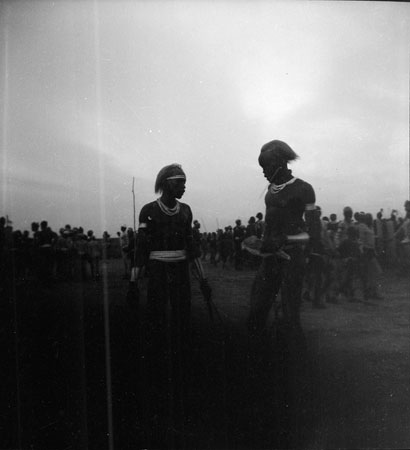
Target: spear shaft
[133,198]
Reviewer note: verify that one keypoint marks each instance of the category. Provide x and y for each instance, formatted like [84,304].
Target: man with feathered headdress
[165,246]
[290,206]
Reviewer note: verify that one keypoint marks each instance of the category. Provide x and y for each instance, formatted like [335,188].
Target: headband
[175,177]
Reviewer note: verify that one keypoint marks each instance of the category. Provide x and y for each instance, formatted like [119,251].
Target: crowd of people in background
[352,253]
[45,255]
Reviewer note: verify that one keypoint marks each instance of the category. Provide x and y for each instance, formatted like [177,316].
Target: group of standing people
[44,255]
[225,245]
[302,254]
[343,263]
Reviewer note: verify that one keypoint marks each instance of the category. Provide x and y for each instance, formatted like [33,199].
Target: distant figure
[343,225]
[251,227]
[204,246]
[124,244]
[95,252]
[260,225]
[131,236]
[45,240]
[371,267]
[402,235]
[213,248]
[227,246]
[62,255]
[238,237]
[350,269]
[403,232]
[196,234]
[318,267]
[378,226]
[81,253]
[288,200]
[332,227]
[106,245]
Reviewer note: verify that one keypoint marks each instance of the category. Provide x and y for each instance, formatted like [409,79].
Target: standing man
[165,245]
[343,225]
[196,233]
[124,250]
[260,225]
[289,201]
[238,236]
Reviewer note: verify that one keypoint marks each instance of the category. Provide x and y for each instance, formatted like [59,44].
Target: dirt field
[344,385]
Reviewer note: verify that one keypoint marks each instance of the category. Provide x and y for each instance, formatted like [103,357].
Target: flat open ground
[345,385]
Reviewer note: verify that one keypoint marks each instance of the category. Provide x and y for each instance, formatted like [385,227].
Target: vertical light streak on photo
[5,112]
[103,219]
[5,205]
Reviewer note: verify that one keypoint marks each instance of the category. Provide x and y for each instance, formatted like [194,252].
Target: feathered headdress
[173,171]
[279,150]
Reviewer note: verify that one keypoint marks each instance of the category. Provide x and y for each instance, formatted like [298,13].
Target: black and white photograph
[204,225]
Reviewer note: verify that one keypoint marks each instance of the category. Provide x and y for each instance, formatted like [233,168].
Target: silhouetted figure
[165,245]
[288,201]
[238,236]
[350,269]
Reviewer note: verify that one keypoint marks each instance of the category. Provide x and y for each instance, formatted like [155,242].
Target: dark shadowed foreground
[344,383]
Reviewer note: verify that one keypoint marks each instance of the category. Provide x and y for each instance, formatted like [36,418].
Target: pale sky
[94,93]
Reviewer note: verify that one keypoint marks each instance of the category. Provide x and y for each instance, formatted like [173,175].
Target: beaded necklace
[169,211]
[275,188]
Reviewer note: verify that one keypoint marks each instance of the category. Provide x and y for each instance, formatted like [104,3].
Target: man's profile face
[270,164]
[176,187]
[270,168]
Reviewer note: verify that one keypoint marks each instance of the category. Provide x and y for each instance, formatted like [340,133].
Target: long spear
[135,230]
[133,198]
[203,223]
[135,226]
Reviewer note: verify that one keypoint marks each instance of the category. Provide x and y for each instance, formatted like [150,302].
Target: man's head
[347,213]
[171,179]
[259,216]
[333,217]
[274,158]
[123,228]
[360,217]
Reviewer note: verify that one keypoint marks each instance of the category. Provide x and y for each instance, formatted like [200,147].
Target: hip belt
[297,239]
[168,255]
